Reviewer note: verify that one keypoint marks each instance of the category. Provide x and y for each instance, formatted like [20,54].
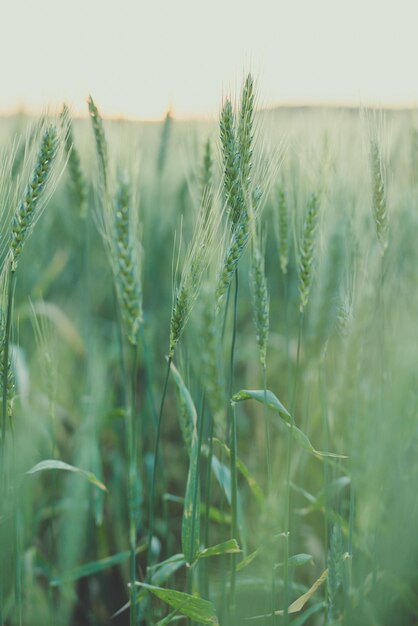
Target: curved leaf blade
[280,410]
[55,464]
[227,547]
[197,609]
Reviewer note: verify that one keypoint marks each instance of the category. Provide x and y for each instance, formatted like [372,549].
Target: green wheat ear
[78,184]
[30,206]
[125,259]
[230,159]
[196,262]
[245,134]
[282,229]
[307,251]
[379,195]
[101,143]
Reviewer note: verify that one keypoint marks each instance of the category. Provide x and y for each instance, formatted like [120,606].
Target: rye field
[208,368]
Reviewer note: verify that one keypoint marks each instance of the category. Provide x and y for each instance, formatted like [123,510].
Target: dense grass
[131,262]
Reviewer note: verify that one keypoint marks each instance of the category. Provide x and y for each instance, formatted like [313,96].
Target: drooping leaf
[248,560]
[188,416]
[190,529]
[265,397]
[162,571]
[227,547]
[283,414]
[244,471]
[197,609]
[54,464]
[223,476]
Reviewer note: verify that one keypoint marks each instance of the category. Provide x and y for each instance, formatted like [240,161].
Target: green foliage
[83,381]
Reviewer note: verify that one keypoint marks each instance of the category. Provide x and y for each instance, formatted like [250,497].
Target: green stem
[288,470]
[267,434]
[287,332]
[148,376]
[269,484]
[195,494]
[207,505]
[155,465]
[324,401]
[196,485]
[234,506]
[133,483]
[3,481]
[233,447]
[10,298]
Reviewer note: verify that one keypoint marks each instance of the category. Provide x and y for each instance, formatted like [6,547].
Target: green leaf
[227,547]
[54,464]
[188,413]
[162,571]
[244,471]
[223,476]
[248,559]
[285,417]
[265,397]
[298,560]
[190,528]
[197,609]
[93,567]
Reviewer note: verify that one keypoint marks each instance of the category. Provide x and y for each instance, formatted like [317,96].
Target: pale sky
[138,58]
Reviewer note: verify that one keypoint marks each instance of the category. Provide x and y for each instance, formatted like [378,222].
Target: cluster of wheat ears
[196,511]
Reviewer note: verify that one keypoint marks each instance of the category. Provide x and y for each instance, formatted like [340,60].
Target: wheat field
[208,367]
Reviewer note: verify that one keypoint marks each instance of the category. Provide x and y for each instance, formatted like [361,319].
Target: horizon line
[27,111]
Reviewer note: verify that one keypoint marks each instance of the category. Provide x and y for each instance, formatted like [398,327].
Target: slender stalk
[155,465]
[286,307]
[324,401]
[196,485]
[207,505]
[18,555]
[3,480]
[267,434]
[269,484]
[148,376]
[9,311]
[288,471]
[133,483]
[195,494]
[233,447]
